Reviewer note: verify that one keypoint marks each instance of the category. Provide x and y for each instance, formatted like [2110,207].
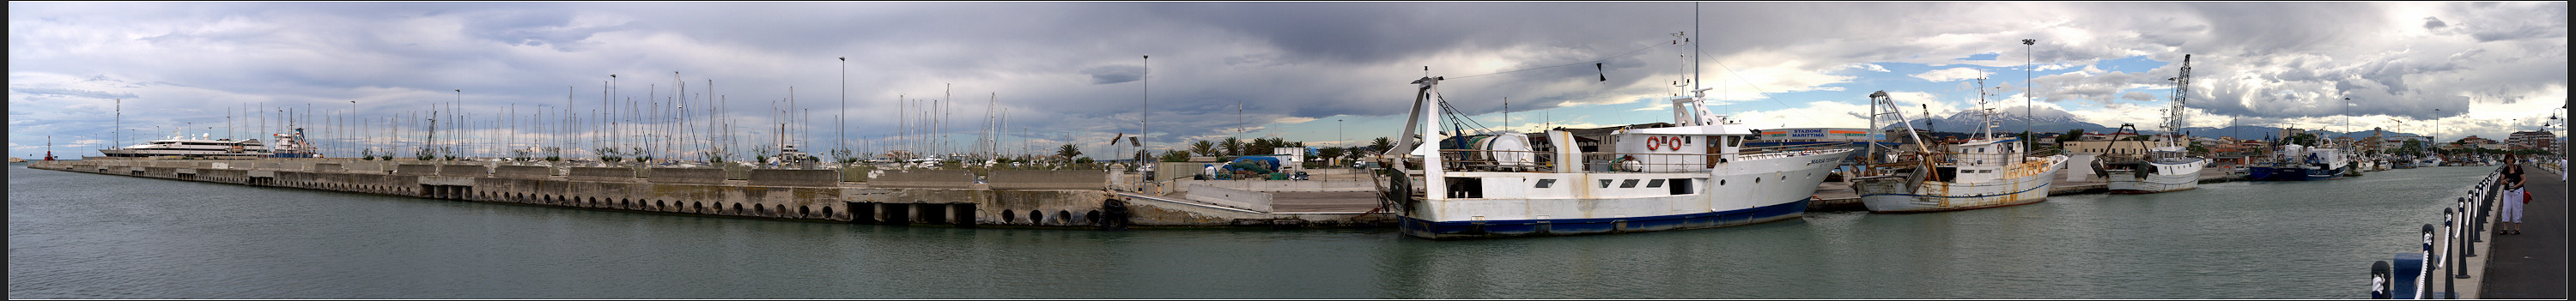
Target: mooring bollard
[2425,269]
[2476,225]
[2379,284]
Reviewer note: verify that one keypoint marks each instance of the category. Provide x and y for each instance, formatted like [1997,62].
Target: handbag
[2526,196]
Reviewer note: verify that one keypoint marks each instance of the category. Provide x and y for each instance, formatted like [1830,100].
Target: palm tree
[1233,146]
[1068,151]
[1258,146]
[1203,148]
[1175,156]
[1382,144]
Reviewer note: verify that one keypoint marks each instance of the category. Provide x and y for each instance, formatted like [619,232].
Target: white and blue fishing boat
[2301,163]
[1692,173]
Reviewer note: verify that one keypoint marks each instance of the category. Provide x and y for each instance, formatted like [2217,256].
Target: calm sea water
[76,235]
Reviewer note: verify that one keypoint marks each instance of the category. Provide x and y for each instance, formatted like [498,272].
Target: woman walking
[2513,200]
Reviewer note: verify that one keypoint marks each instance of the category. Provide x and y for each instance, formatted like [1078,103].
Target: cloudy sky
[1323,73]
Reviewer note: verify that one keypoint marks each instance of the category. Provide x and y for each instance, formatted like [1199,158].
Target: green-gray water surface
[77,235]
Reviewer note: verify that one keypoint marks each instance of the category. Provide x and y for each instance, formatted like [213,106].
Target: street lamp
[2028,101]
[1143,131]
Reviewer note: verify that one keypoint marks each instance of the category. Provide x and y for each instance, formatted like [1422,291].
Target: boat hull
[2124,182]
[2292,174]
[2170,177]
[1889,194]
[1743,191]
[1587,226]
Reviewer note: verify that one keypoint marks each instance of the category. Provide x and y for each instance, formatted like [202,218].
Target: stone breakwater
[1009,198]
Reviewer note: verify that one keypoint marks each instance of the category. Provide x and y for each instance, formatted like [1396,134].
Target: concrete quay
[1009,198]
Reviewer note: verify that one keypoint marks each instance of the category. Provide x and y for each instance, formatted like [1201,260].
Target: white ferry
[192,147]
[1984,172]
[1694,173]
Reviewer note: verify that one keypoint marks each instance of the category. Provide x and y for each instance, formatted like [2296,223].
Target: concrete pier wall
[613,174]
[685,176]
[416,170]
[795,177]
[810,195]
[523,172]
[922,179]
[459,170]
[1049,179]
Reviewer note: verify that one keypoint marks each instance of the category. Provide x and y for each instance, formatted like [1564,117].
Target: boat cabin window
[1655,183]
[1544,183]
[1680,187]
[1605,183]
[1630,183]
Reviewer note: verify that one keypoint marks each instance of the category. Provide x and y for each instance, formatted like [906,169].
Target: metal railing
[2412,276]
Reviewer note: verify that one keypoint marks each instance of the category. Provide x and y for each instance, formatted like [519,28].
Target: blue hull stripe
[1580,226]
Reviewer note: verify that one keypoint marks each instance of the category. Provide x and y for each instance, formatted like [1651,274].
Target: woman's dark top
[2512,176]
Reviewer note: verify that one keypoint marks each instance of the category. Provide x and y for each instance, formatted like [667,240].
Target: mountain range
[2056,121]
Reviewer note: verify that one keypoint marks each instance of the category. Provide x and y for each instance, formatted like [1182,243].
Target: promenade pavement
[2532,265]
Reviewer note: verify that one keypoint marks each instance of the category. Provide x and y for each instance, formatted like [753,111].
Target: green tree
[2070,136]
[1175,156]
[1069,152]
[1232,146]
[1382,144]
[1204,148]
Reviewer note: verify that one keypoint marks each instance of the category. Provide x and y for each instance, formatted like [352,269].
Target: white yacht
[1693,173]
[182,146]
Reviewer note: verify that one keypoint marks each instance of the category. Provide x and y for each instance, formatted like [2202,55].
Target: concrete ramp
[1233,198]
[922,179]
[796,177]
[1049,179]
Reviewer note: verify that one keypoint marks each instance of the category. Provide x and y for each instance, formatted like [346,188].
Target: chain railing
[2413,274]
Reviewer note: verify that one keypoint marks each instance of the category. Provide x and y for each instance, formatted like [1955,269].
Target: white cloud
[1952,74]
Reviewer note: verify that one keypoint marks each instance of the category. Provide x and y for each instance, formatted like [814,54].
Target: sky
[1323,73]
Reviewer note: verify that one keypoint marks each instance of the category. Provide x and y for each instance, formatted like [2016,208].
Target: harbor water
[80,235]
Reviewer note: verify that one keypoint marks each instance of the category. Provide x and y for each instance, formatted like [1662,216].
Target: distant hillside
[2055,121]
